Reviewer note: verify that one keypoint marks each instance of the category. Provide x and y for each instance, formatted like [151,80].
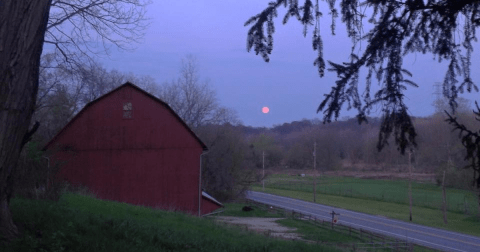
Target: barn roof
[115,90]
[207,196]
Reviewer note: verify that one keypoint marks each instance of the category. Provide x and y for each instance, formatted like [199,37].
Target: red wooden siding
[150,159]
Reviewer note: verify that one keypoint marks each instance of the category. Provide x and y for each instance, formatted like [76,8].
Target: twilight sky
[289,84]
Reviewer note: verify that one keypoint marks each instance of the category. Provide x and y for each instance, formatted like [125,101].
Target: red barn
[131,147]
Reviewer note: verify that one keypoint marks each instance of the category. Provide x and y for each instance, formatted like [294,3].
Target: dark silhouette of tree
[399,28]
[471,142]
[71,27]
[78,30]
[228,167]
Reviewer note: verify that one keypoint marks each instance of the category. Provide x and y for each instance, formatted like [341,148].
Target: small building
[130,146]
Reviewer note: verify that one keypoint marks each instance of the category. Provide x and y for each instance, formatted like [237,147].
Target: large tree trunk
[22,30]
[476,185]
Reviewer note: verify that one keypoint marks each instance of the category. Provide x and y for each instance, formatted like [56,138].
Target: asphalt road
[426,236]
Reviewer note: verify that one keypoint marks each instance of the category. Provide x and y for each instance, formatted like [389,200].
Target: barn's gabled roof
[115,90]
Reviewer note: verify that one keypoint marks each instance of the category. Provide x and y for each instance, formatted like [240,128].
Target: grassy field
[80,223]
[383,197]
[395,191]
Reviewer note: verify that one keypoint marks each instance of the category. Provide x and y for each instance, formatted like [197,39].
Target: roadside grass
[312,232]
[235,209]
[421,215]
[395,191]
[81,223]
[317,233]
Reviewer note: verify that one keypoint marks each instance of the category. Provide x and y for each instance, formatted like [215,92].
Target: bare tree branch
[193,100]
[80,29]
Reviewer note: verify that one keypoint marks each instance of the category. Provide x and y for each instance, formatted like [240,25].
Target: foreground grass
[80,223]
[421,215]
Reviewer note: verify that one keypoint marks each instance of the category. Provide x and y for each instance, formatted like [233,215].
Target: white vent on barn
[127,110]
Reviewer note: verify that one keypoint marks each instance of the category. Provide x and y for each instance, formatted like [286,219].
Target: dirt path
[266,226]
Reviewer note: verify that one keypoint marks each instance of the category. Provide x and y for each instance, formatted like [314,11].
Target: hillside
[80,223]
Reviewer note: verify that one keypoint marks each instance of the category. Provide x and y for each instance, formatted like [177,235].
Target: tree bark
[22,30]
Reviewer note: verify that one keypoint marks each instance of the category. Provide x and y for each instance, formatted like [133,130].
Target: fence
[372,241]
[457,200]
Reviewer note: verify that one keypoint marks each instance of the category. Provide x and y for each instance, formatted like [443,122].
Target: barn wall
[150,159]
[208,206]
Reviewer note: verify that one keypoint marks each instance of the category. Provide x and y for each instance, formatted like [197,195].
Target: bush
[455,177]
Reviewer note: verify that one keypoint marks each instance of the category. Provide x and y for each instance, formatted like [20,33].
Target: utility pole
[315,171]
[410,181]
[438,97]
[263,168]
[444,204]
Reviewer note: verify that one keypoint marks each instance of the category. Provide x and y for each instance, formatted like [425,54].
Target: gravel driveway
[267,226]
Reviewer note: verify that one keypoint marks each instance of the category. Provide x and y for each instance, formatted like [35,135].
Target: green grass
[421,215]
[394,191]
[80,223]
[235,209]
[312,232]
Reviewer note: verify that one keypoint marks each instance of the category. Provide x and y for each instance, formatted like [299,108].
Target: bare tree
[192,99]
[71,26]
[228,168]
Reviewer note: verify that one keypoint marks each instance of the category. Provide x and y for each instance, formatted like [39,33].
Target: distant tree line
[345,145]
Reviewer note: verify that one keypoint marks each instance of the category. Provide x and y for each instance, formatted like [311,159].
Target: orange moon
[265,110]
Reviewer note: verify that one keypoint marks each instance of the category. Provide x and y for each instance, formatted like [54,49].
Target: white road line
[378,230]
